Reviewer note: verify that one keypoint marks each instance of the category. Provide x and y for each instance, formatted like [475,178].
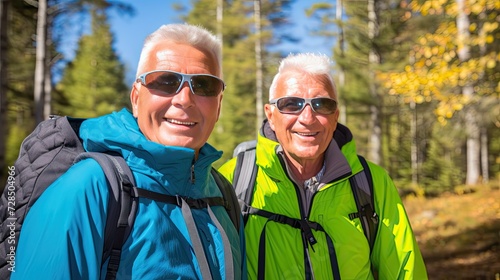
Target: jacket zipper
[303,217]
[192,177]
[312,200]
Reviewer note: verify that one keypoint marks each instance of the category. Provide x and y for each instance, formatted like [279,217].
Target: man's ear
[134,98]
[269,115]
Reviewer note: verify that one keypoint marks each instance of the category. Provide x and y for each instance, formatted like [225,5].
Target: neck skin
[305,169]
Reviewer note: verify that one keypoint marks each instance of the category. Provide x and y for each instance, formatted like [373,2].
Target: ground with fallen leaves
[459,234]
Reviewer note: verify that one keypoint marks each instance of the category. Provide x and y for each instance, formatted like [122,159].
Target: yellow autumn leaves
[435,71]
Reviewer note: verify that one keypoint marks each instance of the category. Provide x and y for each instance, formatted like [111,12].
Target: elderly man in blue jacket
[176,102]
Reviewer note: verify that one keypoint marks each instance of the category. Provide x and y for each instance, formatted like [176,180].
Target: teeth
[306,134]
[179,122]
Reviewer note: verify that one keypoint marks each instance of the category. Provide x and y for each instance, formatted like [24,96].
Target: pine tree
[93,83]
[19,76]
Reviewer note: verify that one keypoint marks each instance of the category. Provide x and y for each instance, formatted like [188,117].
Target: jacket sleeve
[227,169]
[396,254]
[62,235]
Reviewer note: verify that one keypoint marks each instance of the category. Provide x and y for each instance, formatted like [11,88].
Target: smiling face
[181,119]
[304,136]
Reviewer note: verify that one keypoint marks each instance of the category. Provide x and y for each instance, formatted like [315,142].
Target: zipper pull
[193,179]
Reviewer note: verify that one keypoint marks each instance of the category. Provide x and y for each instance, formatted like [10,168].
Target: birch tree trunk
[413,148]
[484,156]
[484,131]
[338,17]
[40,66]
[47,83]
[47,89]
[471,119]
[375,149]
[220,16]
[259,108]
[220,36]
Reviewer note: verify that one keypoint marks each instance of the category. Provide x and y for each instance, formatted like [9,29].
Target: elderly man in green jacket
[304,160]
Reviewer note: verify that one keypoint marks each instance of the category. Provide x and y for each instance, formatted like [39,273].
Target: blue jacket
[62,236]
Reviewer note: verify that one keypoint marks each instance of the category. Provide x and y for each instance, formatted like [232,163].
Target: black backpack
[244,177]
[46,154]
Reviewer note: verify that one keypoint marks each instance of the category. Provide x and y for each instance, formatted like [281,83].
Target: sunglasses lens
[324,106]
[170,83]
[290,104]
[206,85]
[163,81]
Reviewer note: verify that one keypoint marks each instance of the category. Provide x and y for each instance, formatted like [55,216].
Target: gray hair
[308,63]
[192,35]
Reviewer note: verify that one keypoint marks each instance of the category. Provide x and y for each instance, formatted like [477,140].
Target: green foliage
[437,72]
[443,168]
[93,83]
[21,59]
[14,140]
[20,68]
[441,162]
[109,94]
[494,151]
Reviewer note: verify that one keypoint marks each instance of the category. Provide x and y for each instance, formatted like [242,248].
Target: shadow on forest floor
[459,235]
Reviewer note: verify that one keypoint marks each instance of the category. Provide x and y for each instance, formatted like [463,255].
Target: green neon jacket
[395,254]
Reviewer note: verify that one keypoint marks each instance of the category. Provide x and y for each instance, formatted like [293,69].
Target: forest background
[418,80]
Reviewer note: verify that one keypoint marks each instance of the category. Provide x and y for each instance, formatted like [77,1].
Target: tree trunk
[484,155]
[473,146]
[259,108]
[4,7]
[471,118]
[484,131]
[41,36]
[338,17]
[219,17]
[414,147]
[47,90]
[47,84]
[375,151]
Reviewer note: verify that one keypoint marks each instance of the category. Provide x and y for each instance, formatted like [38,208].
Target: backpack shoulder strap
[245,174]
[121,209]
[232,206]
[362,189]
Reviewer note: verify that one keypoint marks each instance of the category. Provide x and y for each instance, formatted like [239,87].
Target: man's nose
[184,97]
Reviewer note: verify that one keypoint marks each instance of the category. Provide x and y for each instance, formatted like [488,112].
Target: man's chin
[177,141]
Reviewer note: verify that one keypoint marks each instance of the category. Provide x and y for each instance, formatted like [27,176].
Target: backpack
[244,177]
[46,154]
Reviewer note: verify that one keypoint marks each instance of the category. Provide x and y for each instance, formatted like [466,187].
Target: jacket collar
[169,166]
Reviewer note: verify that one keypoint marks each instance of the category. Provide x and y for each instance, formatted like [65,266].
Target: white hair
[192,35]
[308,63]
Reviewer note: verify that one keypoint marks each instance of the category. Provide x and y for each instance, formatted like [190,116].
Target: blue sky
[130,31]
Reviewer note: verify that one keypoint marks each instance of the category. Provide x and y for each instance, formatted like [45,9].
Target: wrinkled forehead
[299,79]
[163,57]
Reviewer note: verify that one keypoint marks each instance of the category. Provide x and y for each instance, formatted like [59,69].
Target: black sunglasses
[294,105]
[170,82]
